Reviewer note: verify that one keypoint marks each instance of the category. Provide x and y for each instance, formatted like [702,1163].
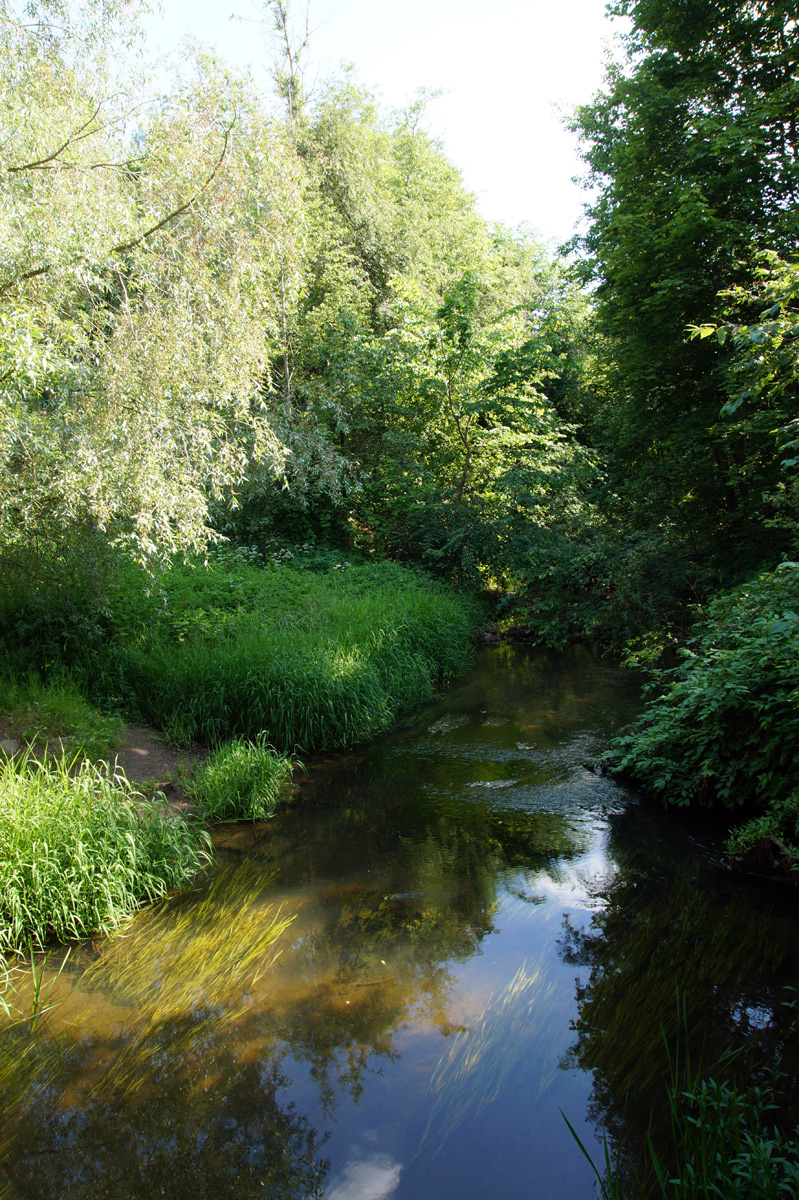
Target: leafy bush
[724,724]
[241,781]
[726,1134]
[79,852]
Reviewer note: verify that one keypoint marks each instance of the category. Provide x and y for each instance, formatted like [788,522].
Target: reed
[240,781]
[79,852]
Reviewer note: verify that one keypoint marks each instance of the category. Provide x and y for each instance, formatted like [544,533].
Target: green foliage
[45,712]
[137,279]
[721,1146]
[762,327]
[310,659]
[79,852]
[240,781]
[693,148]
[770,842]
[724,724]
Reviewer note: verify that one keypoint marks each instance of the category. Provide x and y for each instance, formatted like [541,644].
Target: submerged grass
[79,852]
[179,976]
[484,1061]
[240,781]
[311,661]
[184,969]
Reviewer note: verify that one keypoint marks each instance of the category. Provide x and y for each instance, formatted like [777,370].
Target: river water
[404,983]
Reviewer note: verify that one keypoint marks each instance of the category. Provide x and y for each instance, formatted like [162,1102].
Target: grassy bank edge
[65,823]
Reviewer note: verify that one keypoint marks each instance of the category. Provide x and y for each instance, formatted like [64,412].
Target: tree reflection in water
[682,975]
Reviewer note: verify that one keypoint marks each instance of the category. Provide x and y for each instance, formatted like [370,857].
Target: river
[404,983]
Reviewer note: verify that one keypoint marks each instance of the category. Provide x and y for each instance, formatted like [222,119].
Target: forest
[241,333]
[285,423]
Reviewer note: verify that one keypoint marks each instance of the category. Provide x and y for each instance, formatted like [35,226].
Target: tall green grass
[51,711]
[80,852]
[240,781]
[312,661]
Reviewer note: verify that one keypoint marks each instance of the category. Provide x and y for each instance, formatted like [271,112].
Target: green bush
[240,781]
[80,852]
[724,725]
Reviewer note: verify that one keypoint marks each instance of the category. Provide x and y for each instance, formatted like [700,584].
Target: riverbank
[230,670]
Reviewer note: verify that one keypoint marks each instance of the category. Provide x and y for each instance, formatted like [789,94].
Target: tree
[694,148]
[140,276]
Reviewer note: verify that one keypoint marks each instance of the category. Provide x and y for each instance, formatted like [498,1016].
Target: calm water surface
[397,986]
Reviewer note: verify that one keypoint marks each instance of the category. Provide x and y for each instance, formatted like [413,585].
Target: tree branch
[124,247]
[41,164]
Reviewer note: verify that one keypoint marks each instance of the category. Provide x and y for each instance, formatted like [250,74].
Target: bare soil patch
[145,758]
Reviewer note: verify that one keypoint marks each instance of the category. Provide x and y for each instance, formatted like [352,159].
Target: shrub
[724,724]
[241,781]
[79,852]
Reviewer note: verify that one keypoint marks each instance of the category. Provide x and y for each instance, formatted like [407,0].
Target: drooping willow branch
[126,247]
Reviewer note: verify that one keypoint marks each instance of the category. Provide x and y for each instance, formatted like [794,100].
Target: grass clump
[312,660]
[240,781]
[80,852]
[54,711]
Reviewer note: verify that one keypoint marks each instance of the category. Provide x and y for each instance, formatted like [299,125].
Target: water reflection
[687,967]
[372,995]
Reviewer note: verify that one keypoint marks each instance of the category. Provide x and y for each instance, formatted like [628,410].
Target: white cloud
[373,1178]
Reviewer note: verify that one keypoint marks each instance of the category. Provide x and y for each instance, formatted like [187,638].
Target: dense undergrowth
[51,710]
[723,726]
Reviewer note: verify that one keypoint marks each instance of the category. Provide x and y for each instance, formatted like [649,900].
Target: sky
[507,71]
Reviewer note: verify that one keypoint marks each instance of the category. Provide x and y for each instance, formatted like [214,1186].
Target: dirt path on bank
[142,756]
[146,759]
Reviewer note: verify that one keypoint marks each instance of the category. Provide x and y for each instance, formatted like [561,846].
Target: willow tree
[144,242]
